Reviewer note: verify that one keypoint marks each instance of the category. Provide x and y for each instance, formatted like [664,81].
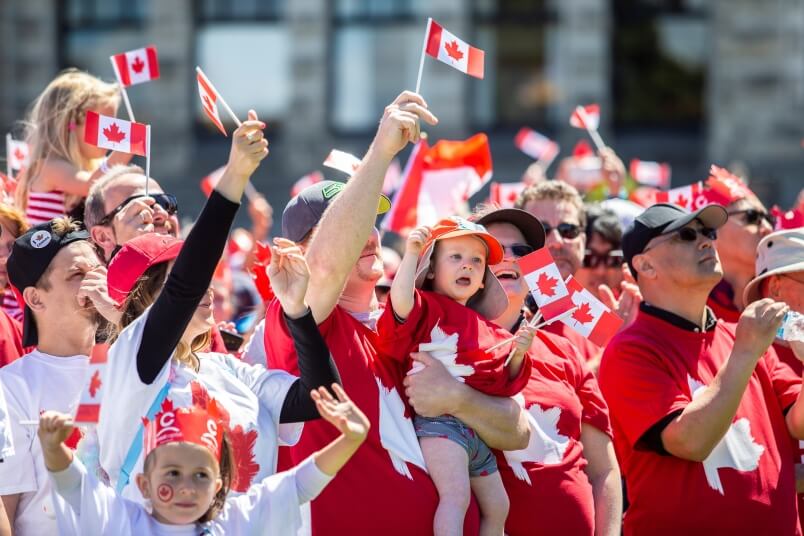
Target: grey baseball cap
[303,212]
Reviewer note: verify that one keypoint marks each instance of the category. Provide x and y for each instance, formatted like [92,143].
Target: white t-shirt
[271,506]
[34,383]
[6,439]
[254,353]
[252,395]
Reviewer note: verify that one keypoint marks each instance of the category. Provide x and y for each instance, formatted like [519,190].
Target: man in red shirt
[335,223]
[702,411]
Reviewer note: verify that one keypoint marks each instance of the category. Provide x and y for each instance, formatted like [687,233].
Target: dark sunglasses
[167,201]
[612,259]
[565,230]
[690,234]
[518,250]
[752,216]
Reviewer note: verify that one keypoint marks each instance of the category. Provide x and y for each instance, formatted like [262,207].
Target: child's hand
[289,275]
[416,240]
[54,429]
[524,338]
[343,414]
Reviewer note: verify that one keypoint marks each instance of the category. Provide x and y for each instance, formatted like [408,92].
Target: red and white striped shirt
[44,206]
[10,304]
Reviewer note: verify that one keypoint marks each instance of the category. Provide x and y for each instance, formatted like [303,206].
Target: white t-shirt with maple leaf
[251,394]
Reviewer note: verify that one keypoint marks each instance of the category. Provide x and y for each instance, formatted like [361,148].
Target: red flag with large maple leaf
[89,404]
[115,134]
[592,318]
[591,120]
[505,194]
[536,145]
[445,47]
[545,283]
[18,153]
[209,101]
[137,66]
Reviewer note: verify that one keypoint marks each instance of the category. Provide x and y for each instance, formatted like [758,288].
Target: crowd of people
[321,383]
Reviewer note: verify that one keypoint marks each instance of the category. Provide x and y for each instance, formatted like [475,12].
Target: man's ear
[103,236]
[33,299]
[773,288]
[643,266]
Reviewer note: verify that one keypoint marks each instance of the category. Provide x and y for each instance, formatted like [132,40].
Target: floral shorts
[481,460]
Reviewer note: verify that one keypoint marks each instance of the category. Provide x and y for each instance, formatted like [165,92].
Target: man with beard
[49,265]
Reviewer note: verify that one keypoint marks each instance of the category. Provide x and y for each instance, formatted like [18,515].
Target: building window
[102,14]
[239,10]
[660,53]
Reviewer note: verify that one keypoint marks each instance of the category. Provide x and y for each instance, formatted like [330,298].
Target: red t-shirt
[787,357]
[747,484]
[589,351]
[10,339]
[721,301]
[458,334]
[546,483]
[368,496]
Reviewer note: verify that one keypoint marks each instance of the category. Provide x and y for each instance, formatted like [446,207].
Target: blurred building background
[689,82]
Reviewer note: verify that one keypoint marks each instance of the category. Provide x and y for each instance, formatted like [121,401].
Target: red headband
[193,425]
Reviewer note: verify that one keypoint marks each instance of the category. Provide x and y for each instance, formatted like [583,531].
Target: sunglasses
[167,201]
[565,230]
[612,259]
[752,216]
[518,250]
[688,234]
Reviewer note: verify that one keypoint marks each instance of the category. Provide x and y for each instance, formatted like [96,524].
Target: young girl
[187,473]
[63,166]
[163,288]
[451,319]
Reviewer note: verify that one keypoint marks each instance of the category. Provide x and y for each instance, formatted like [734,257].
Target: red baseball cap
[134,258]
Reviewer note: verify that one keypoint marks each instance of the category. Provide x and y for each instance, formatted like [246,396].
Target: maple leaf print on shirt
[94,384]
[137,65]
[546,445]
[114,134]
[246,468]
[582,314]
[453,50]
[546,284]
[444,348]
[736,450]
[397,435]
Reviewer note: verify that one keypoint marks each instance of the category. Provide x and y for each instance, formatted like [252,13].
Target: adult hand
[757,326]
[289,275]
[138,214]
[400,123]
[432,391]
[627,306]
[94,292]
[612,169]
[249,147]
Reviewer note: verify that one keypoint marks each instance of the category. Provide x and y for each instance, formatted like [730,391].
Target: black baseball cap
[664,218]
[530,227]
[303,212]
[30,256]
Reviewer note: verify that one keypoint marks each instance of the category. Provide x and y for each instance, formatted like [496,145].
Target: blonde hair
[553,191]
[14,219]
[50,125]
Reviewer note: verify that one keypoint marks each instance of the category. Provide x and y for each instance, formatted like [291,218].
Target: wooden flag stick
[593,133]
[424,48]
[147,157]
[122,89]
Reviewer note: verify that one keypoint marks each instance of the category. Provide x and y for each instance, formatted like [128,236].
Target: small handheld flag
[444,46]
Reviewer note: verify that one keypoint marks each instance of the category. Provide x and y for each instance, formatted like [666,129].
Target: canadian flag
[437,182]
[342,161]
[209,182]
[7,185]
[137,66]
[725,187]
[505,194]
[650,173]
[209,100]
[115,134]
[592,117]
[592,318]
[17,153]
[535,145]
[691,197]
[304,182]
[445,47]
[545,283]
[90,401]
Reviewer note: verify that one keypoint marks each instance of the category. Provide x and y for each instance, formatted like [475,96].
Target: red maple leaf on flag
[94,384]
[19,154]
[208,104]
[114,134]
[681,201]
[137,65]
[582,315]
[453,51]
[243,450]
[512,196]
[546,284]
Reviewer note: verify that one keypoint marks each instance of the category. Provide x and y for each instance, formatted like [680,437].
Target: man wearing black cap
[47,265]
[702,411]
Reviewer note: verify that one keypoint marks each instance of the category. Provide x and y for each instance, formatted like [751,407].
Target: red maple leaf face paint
[164,492]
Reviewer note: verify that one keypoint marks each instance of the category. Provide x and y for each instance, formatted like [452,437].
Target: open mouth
[463,281]
[512,275]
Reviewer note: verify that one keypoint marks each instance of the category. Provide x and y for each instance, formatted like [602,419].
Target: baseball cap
[30,257]
[530,227]
[781,252]
[134,258]
[303,212]
[664,218]
[491,300]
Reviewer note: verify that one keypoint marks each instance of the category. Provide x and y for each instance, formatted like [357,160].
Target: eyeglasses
[752,216]
[565,230]
[167,201]
[688,234]
[612,259]
[518,250]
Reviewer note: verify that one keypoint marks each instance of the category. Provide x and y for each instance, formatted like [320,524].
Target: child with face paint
[187,473]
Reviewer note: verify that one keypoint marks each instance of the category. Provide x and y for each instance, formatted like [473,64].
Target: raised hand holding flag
[588,117]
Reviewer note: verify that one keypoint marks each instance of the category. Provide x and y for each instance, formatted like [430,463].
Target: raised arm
[403,286]
[345,226]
